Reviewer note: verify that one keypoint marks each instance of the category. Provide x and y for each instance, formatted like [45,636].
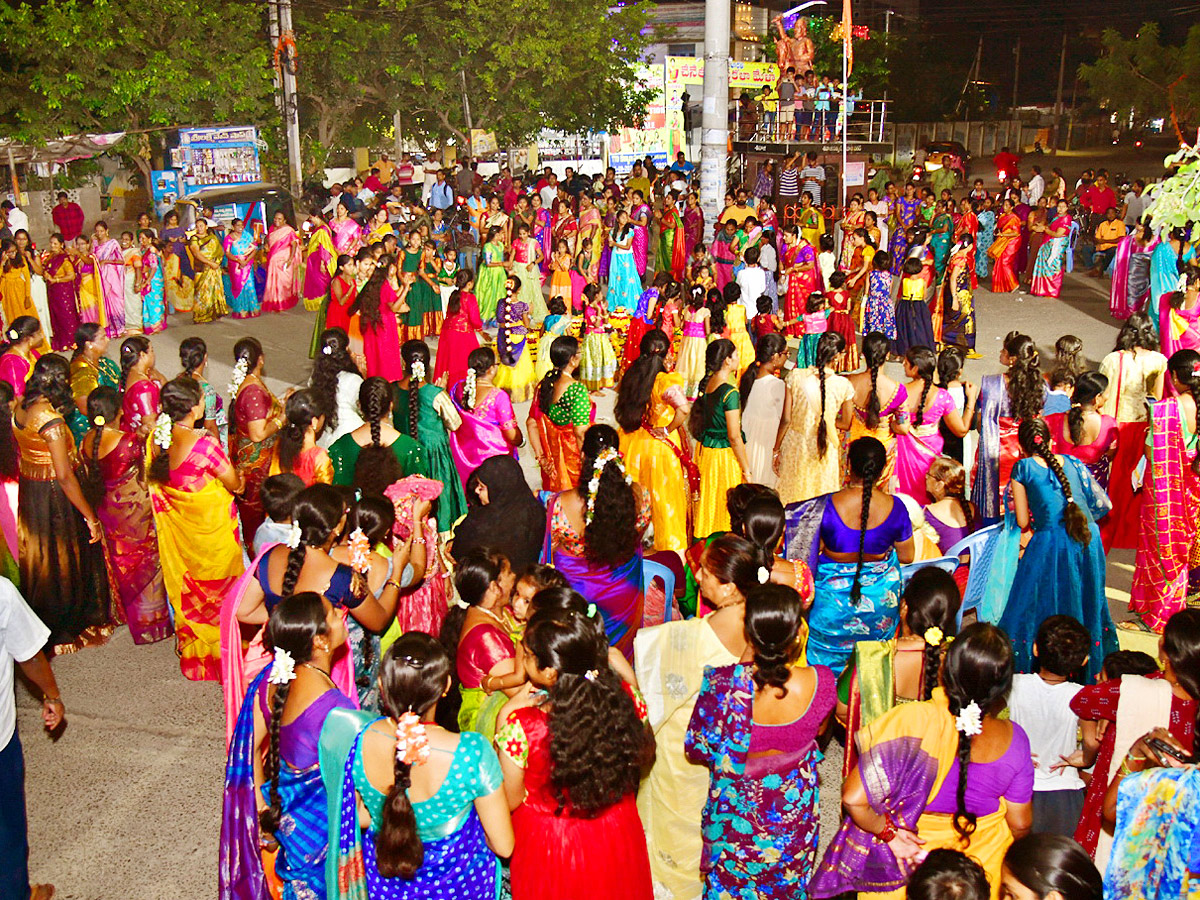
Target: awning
[58,150]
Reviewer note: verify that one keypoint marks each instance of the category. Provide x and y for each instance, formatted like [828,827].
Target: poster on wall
[628,145]
[685,75]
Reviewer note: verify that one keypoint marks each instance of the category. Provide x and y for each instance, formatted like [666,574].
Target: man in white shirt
[17,220]
[1037,186]
[752,279]
[335,194]
[549,192]
[22,637]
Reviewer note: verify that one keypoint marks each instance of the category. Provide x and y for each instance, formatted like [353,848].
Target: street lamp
[804,6]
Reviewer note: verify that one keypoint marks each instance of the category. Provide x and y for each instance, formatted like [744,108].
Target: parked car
[259,201]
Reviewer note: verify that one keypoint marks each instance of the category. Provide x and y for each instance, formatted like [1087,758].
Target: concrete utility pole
[1016,69]
[714,141]
[279,26]
[1058,101]
[887,37]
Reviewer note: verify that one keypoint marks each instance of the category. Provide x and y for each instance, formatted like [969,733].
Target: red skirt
[1119,529]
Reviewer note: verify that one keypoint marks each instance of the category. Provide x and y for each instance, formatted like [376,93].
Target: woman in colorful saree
[904,217]
[296,451]
[61,561]
[693,223]
[594,536]
[559,416]
[919,439]
[283,258]
[275,815]
[672,251]
[1004,248]
[1179,315]
[59,273]
[17,353]
[139,385]
[640,216]
[445,845]
[347,233]
[192,484]
[800,266]
[1168,550]
[208,299]
[1130,287]
[912,778]
[154,308]
[1004,400]
[476,635]
[1165,266]
[901,669]
[90,368]
[177,265]
[652,411]
[755,728]
[725,253]
[489,425]
[87,284]
[809,220]
[670,660]
[113,461]
[240,250]
[941,235]
[320,261]
[110,265]
[857,568]
[987,234]
[591,228]
[255,420]
[957,294]
[855,218]
[1051,258]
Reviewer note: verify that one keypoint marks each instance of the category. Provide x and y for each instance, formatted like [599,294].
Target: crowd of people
[439,681]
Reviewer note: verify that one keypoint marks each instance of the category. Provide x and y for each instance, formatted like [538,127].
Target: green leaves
[1177,199]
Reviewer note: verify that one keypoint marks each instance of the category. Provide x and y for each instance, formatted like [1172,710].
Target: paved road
[127,803]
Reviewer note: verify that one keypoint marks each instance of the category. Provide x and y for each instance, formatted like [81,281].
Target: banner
[483,143]
[689,70]
[629,145]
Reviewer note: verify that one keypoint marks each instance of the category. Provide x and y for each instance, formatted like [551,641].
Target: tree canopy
[1146,78]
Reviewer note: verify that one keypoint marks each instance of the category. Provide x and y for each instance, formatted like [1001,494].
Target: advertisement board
[223,155]
[628,145]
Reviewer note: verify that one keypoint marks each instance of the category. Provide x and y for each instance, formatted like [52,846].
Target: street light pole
[714,140]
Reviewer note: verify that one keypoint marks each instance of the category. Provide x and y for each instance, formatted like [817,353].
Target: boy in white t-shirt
[1041,704]
[752,279]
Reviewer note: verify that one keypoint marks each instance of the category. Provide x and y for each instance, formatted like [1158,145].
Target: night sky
[1041,23]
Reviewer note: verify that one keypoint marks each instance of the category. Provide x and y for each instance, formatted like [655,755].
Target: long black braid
[1034,437]
[829,347]
[132,349]
[866,458]
[924,361]
[874,351]
[412,353]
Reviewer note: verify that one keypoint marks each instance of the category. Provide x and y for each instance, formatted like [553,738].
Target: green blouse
[343,453]
[573,407]
[719,402]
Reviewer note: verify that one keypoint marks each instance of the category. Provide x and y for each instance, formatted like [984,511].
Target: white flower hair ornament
[283,668]
[606,456]
[969,720]
[240,370]
[14,335]
[327,350]
[162,431]
[293,537]
[764,574]
[469,389]
[417,371]
[360,552]
[412,742]
[461,603]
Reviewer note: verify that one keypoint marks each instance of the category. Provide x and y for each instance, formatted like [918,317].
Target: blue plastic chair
[970,546]
[945,563]
[1072,238]
[652,570]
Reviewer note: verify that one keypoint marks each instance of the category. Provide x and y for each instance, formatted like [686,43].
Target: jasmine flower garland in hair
[283,668]
[469,389]
[293,537]
[240,371]
[603,458]
[162,431]
[969,720]
[418,370]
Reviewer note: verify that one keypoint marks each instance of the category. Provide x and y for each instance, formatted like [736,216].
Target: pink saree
[1128,295]
[1179,328]
[282,291]
[1169,521]
[481,435]
[916,451]
[347,235]
[110,261]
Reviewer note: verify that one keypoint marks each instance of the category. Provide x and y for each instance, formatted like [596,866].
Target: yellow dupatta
[201,559]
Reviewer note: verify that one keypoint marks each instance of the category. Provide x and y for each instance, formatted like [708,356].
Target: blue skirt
[836,623]
[624,283]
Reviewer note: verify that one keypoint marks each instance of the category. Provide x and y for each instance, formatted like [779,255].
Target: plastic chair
[945,563]
[652,570]
[1072,239]
[971,545]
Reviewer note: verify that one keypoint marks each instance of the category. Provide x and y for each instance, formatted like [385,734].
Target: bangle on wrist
[888,832]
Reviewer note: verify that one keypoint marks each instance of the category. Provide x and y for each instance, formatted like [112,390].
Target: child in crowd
[598,363]
[536,579]
[914,322]
[841,320]
[826,258]
[279,493]
[556,324]
[816,323]
[694,344]
[1041,704]
[560,272]
[1128,662]
[700,267]
[1058,398]
[767,321]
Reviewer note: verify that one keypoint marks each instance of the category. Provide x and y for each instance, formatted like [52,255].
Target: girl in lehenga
[113,461]
[715,422]
[1168,551]
[255,420]
[452,850]
[598,365]
[652,410]
[512,343]
[910,780]
[559,416]
[208,298]
[490,279]
[192,484]
[526,258]
[62,569]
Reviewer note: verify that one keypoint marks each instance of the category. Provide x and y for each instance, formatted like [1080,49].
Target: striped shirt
[789,181]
